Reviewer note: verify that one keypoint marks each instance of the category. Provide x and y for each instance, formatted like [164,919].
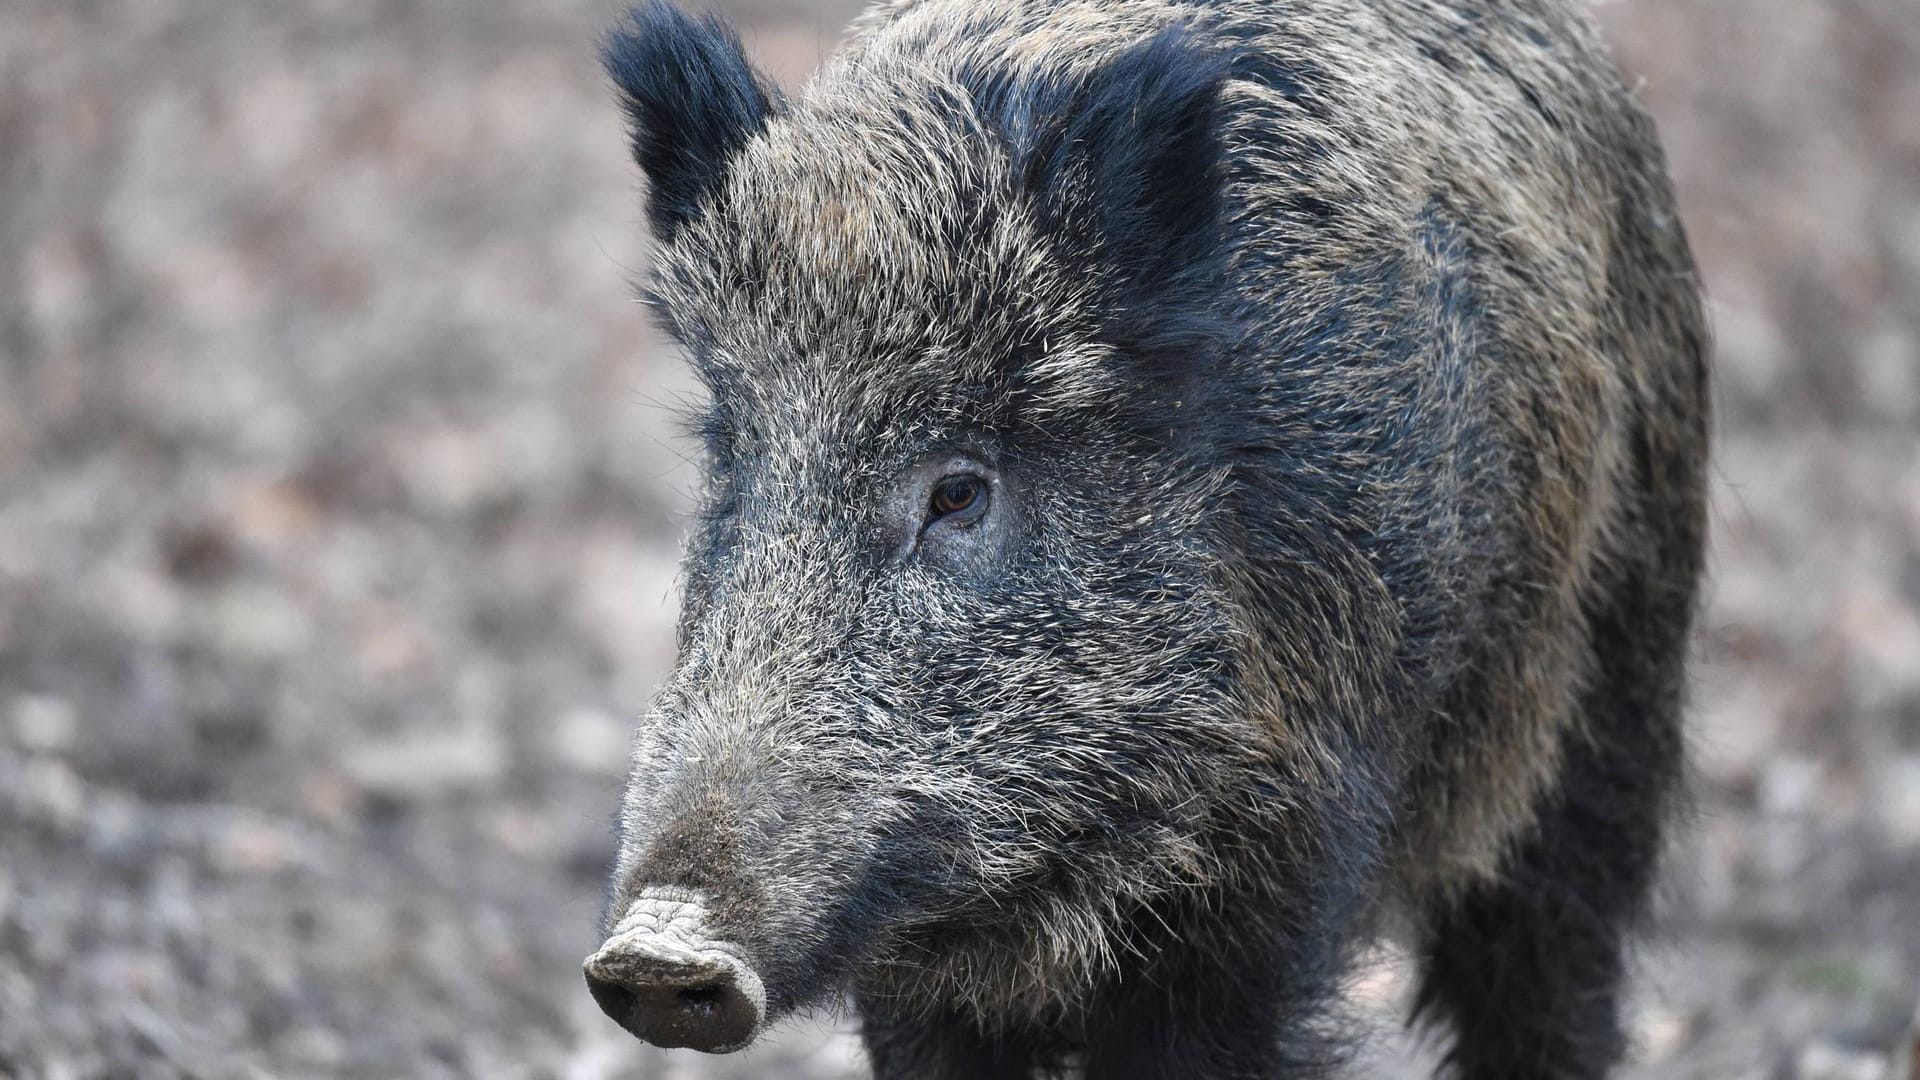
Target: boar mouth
[664,977]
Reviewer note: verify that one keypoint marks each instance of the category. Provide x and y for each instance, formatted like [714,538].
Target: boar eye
[960,498]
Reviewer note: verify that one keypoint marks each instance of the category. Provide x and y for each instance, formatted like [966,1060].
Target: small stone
[329,796]
[1896,784]
[256,622]
[1829,1061]
[253,847]
[52,793]
[1789,786]
[522,832]
[428,765]
[275,515]
[591,741]
[43,723]
[313,1046]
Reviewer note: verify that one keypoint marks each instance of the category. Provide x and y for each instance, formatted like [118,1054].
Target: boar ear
[1127,160]
[692,102]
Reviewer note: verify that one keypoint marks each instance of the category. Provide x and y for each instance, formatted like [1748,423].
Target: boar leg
[1240,999]
[1527,970]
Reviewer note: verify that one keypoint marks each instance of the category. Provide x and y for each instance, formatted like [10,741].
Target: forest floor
[339,500]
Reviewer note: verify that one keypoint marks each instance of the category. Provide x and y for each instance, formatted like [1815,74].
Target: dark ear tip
[633,27]
[692,99]
[658,43]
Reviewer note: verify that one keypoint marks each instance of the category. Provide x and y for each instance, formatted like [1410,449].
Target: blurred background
[340,495]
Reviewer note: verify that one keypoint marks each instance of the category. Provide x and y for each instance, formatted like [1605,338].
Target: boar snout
[666,978]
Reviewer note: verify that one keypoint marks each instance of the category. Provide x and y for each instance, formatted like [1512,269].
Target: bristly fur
[1342,369]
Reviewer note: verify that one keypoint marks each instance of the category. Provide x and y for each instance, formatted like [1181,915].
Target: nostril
[620,1002]
[701,1001]
[710,1016]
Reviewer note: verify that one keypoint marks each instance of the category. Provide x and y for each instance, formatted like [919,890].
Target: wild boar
[1190,485]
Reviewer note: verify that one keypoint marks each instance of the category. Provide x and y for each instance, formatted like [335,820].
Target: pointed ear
[692,101]
[1127,160]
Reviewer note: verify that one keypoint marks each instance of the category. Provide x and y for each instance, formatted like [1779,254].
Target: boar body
[1189,486]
